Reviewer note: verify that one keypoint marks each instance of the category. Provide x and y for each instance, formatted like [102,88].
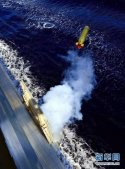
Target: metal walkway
[27,146]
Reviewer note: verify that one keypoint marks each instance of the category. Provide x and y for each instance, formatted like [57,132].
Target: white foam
[19,70]
[48,25]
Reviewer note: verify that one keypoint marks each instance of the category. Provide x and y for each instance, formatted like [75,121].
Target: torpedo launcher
[36,113]
[83,36]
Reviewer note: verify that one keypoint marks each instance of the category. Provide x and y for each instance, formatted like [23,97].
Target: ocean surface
[43,30]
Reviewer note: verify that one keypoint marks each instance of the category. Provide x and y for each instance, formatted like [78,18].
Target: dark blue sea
[42,30]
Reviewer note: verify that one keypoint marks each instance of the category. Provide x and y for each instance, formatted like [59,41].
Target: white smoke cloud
[63,102]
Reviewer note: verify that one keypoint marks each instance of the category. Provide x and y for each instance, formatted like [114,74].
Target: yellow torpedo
[80,43]
[36,113]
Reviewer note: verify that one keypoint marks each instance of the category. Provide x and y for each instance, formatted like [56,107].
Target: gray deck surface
[27,146]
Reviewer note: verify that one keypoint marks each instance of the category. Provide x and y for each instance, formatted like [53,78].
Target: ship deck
[27,146]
